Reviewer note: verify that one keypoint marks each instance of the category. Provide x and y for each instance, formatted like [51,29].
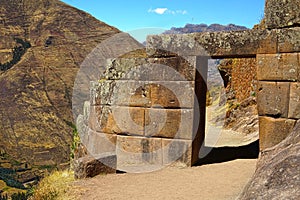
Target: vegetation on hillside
[54,186]
[18,52]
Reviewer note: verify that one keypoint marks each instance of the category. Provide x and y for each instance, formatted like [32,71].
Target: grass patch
[76,139]
[54,186]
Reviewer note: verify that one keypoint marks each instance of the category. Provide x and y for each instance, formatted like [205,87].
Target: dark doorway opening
[231,105]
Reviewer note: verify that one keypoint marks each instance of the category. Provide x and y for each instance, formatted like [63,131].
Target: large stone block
[294,108]
[126,69]
[273,98]
[214,44]
[150,69]
[172,94]
[117,120]
[288,40]
[101,92]
[278,67]
[121,93]
[82,128]
[169,123]
[172,69]
[139,154]
[177,152]
[131,93]
[101,120]
[282,13]
[272,131]
[89,166]
[130,120]
[100,143]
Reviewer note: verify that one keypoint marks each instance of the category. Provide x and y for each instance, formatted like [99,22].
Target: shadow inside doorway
[225,154]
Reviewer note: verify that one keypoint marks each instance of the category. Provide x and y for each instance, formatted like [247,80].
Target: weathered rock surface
[36,92]
[272,131]
[278,67]
[277,175]
[282,13]
[273,98]
[214,44]
[226,44]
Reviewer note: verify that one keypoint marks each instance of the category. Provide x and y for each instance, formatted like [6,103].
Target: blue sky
[130,15]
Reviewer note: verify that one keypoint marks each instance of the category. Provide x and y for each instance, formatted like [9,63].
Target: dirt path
[222,181]
[216,136]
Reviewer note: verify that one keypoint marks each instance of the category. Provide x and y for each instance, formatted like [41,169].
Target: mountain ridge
[36,83]
[192,28]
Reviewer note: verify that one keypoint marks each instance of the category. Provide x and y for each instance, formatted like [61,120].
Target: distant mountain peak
[193,28]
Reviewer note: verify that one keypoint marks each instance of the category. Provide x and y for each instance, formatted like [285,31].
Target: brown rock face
[36,92]
[277,175]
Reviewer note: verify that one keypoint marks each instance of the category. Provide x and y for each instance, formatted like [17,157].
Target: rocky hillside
[192,28]
[42,44]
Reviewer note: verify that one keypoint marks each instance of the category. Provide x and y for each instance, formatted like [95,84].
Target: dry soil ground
[222,179]
[209,182]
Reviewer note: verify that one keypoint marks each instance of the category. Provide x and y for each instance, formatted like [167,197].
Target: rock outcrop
[277,175]
[43,42]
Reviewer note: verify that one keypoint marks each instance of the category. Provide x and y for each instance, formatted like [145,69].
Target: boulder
[89,166]
[277,175]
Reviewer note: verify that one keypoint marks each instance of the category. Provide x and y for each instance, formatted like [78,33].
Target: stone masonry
[143,110]
[152,109]
[276,49]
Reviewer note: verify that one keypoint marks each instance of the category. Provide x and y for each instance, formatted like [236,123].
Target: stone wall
[278,96]
[239,75]
[277,61]
[142,110]
[151,111]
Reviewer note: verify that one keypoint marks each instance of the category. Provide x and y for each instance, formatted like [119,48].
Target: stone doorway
[231,113]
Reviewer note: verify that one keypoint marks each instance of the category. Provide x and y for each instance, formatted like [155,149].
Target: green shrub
[76,139]
[19,196]
[3,197]
[8,176]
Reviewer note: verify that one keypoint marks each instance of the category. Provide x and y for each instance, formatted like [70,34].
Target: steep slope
[42,44]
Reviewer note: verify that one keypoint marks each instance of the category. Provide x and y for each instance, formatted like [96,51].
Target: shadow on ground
[225,154]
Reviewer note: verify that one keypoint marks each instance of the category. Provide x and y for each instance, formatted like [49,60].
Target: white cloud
[159,11]
[162,11]
[174,12]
